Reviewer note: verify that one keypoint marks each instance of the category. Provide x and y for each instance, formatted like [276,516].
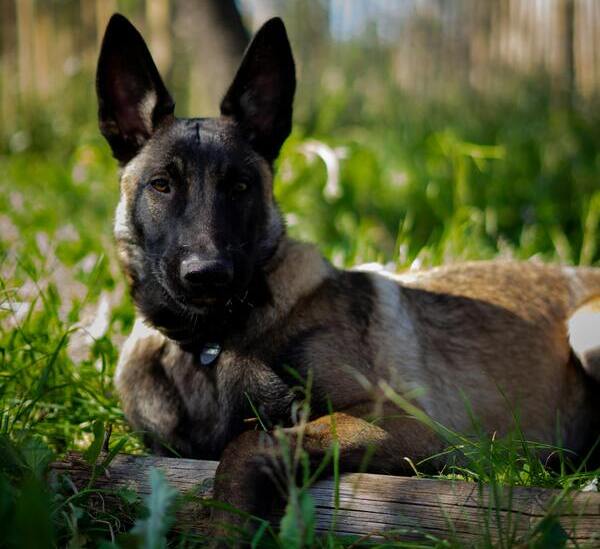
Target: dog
[231,311]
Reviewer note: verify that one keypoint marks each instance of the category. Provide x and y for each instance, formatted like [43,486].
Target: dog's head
[197,220]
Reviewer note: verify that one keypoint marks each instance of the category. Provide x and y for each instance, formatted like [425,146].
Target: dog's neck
[286,286]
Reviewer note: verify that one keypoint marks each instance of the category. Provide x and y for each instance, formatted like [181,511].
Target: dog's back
[492,339]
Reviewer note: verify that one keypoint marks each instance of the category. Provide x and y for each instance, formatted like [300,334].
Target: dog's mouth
[203,303]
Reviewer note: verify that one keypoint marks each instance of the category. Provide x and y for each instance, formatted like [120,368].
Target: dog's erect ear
[262,93]
[132,99]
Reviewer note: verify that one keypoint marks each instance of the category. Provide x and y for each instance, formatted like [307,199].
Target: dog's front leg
[149,399]
[243,486]
[253,463]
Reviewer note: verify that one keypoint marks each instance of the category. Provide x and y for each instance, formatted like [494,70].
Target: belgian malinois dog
[228,306]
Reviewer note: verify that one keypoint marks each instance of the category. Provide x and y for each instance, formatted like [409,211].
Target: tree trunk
[25,32]
[567,30]
[158,20]
[216,37]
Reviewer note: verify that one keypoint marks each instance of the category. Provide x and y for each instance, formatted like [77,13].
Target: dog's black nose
[197,273]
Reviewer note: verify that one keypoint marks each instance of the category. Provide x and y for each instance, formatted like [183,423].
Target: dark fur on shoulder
[203,244]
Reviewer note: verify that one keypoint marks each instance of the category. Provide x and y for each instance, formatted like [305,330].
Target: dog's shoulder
[297,271]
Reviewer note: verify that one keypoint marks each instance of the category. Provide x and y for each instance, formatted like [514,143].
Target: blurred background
[425,132]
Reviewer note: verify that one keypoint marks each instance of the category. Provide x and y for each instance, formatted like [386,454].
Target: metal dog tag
[210,352]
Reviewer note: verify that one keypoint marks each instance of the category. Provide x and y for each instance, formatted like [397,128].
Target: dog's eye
[160,185]
[239,187]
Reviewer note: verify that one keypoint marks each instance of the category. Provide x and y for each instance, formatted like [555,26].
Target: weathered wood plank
[403,507]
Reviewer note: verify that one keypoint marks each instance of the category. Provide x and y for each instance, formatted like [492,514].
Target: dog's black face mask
[197,221]
[203,215]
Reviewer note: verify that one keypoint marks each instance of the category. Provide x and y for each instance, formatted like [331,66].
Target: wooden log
[405,508]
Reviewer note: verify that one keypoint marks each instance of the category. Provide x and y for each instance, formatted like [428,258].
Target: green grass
[419,184]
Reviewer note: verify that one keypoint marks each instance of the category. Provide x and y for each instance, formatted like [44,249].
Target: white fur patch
[389,271]
[584,336]
[141,332]
[146,109]
[121,228]
[375,267]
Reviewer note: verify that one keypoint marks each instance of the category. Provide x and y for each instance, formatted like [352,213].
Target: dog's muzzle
[205,279]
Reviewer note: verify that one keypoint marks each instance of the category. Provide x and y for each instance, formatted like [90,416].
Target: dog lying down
[233,316]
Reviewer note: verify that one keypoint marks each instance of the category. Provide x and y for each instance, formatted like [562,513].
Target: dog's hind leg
[584,336]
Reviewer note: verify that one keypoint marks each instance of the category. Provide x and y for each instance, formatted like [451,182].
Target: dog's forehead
[189,142]
[209,146]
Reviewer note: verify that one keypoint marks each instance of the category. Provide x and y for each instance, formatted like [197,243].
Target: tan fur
[502,344]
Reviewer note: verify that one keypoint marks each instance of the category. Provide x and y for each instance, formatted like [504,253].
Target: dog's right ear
[132,99]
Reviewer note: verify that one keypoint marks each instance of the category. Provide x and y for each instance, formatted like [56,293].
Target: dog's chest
[233,392]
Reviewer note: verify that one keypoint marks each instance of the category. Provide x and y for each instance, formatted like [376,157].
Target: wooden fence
[434,44]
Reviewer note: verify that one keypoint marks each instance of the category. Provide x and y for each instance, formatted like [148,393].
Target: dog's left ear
[132,99]
[262,93]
